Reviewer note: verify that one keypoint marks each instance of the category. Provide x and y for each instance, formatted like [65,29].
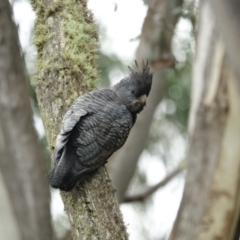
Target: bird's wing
[93,128]
[90,145]
[72,116]
[102,135]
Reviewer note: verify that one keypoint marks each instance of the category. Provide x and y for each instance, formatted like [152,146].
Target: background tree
[212,181]
[25,212]
[157,49]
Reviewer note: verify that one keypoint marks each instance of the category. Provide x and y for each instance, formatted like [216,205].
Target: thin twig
[150,190]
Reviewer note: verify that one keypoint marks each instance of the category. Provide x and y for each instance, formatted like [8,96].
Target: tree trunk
[155,45]
[67,41]
[24,193]
[210,204]
[227,17]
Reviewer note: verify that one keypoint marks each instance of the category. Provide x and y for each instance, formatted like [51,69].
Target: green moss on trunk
[66,38]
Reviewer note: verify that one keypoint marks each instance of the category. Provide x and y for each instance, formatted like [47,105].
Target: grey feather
[70,119]
[96,125]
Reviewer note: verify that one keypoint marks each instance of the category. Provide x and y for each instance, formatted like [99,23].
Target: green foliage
[171,117]
[178,91]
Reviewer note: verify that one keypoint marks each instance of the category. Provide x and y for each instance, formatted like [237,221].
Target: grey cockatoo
[96,125]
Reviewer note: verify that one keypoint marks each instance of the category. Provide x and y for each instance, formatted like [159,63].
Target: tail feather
[60,172]
[64,175]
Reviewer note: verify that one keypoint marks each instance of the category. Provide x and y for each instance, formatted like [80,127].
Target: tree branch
[142,196]
[67,41]
[155,45]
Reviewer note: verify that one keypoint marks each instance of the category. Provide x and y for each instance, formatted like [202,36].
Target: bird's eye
[132,91]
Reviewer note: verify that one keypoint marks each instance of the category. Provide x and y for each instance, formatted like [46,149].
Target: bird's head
[134,89]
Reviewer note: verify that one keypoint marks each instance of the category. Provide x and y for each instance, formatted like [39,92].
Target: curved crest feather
[141,73]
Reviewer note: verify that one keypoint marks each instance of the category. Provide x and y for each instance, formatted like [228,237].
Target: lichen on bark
[66,38]
[67,42]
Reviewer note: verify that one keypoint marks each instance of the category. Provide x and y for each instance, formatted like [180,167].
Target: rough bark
[67,41]
[155,45]
[210,203]
[24,193]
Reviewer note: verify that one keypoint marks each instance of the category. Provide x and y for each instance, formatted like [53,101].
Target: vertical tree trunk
[227,17]
[67,41]
[210,204]
[155,45]
[24,204]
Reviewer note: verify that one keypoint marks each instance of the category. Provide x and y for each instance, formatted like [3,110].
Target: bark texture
[24,193]
[210,204]
[155,45]
[67,41]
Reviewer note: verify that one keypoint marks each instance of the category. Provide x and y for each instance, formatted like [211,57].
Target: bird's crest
[141,73]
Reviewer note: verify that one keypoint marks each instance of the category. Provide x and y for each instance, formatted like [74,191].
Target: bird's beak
[143,99]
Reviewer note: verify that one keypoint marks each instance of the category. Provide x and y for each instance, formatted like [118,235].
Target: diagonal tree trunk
[67,41]
[210,205]
[155,45]
[24,193]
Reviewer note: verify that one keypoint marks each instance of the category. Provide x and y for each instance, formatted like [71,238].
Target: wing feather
[109,130]
[72,116]
[95,126]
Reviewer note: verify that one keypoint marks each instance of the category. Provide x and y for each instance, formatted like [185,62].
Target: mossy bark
[66,38]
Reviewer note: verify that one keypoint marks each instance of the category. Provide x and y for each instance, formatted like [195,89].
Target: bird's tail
[60,172]
[64,174]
